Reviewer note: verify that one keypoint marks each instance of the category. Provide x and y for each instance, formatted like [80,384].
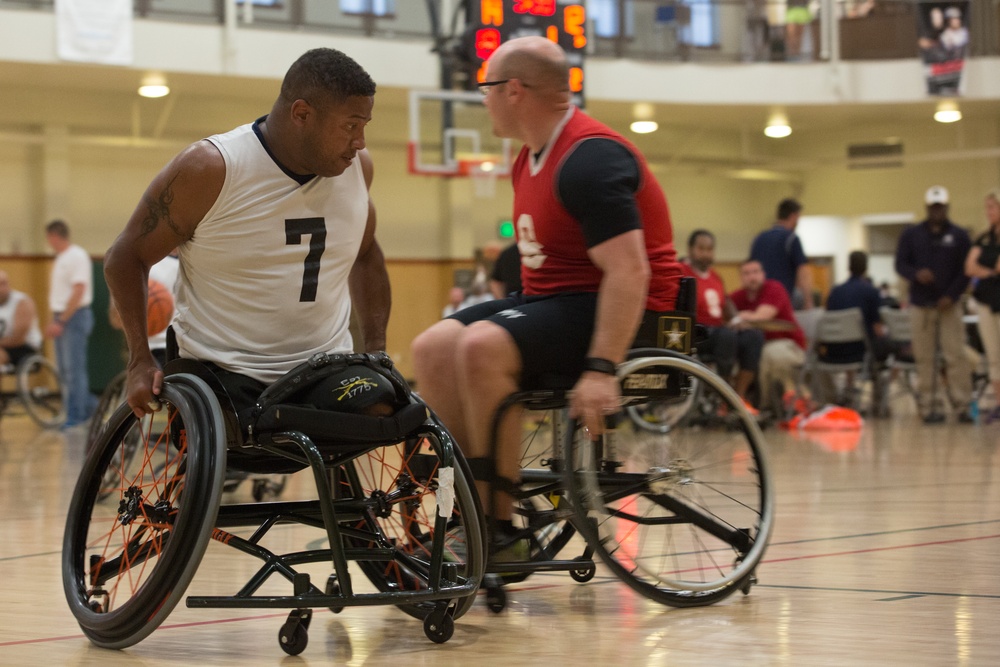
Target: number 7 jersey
[263,283]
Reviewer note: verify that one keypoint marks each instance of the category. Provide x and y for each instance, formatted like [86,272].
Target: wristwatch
[599,365]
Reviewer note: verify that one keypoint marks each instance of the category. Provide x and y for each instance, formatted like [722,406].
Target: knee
[433,349]
[486,352]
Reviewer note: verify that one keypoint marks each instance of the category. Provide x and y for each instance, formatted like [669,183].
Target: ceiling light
[947,112]
[154,85]
[643,113]
[778,127]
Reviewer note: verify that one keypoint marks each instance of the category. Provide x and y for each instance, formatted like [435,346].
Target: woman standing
[983,266]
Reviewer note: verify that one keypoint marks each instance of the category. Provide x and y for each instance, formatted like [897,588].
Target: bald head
[4,286]
[537,61]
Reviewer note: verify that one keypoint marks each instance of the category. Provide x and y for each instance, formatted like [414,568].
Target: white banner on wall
[94,31]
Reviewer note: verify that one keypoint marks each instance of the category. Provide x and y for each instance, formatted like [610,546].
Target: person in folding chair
[856,292]
[597,251]
[260,289]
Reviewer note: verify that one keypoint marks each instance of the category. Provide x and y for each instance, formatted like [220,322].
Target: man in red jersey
[725,344]
[597,255]
[764,303]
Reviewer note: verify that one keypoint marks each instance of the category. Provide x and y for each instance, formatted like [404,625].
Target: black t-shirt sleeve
[597,184]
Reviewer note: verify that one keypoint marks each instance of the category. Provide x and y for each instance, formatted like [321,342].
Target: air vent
[882,155]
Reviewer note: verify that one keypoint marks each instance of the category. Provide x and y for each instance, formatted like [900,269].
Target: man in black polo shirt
[931,256]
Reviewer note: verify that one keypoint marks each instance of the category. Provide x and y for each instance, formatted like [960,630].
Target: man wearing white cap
[931,256]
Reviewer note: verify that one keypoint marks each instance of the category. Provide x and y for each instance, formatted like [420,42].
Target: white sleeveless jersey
[263,284]
[7,312]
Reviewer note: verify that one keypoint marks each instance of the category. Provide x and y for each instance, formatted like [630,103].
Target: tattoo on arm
[158,210]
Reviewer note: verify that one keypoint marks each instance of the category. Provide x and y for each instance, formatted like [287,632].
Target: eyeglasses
[484,87]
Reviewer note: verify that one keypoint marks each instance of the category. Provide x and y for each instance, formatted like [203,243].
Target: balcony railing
[659,30]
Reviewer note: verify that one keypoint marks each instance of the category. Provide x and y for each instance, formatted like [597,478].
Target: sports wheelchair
[37,386]
[680,509]
[394,498]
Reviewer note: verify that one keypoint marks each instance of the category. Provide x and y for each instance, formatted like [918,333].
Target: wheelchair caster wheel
[584,574]
[333,588]
[751,580]
[439,627]
[496,599]
[294,634]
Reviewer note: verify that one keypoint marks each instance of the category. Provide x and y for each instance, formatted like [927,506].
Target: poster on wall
[94,31]
[944,41]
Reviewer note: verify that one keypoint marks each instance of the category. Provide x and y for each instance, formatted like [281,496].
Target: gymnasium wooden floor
[886,551]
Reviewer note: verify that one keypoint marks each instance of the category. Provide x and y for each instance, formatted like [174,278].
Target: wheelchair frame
[570,481]
[434,581]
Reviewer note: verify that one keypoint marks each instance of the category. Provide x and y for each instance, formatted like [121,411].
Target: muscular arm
[24,315]
[170,210]
[371,296]
[621,301]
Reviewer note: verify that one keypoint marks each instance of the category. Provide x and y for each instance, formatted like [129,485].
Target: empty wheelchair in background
[34,383]
[394,499]
[680,512]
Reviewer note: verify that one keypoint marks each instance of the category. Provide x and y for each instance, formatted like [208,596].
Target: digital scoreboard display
[493,22]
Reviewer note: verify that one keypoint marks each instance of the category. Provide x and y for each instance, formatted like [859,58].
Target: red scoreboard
[492,22]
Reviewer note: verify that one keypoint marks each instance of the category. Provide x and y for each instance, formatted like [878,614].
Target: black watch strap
[599,365]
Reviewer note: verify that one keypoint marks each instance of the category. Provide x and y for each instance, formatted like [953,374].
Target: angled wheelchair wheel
[41,391]
[127,559]
[684,516]
[409,487]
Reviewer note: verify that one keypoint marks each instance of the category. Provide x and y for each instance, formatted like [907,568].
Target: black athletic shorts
[20,352]
[552,332]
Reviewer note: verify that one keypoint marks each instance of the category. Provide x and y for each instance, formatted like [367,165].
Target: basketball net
[484,179]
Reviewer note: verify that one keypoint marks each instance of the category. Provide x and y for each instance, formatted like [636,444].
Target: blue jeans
[71,357]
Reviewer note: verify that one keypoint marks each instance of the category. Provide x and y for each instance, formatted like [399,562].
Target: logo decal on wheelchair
[645,381]
[511,313]
[352,387]
[674,333]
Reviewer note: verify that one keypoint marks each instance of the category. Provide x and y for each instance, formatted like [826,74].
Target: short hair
[857,263]
[59,228]
[750,260]
[699,232]
[787,207]
[325,73]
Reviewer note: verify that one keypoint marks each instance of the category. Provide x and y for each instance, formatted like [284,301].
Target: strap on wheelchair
[483,469]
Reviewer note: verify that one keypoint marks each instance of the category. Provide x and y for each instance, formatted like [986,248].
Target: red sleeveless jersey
[553,248]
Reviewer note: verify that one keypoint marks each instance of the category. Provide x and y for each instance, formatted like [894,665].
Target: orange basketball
[159,308]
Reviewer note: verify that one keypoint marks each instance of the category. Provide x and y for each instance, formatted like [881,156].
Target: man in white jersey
[71,291]
[275,231]
[19,332]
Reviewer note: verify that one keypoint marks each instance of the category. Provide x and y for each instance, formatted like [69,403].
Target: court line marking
[887,532]
[904,594]
[875,549]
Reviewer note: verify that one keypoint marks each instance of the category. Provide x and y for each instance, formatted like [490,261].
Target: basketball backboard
[451,135]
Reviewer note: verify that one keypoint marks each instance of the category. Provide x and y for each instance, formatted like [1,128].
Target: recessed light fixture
[643,113]
[154,85]
[777,126]
[644,126]
[947,112]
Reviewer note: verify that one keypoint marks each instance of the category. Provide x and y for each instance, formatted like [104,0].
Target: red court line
[172,626]
[874,549]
